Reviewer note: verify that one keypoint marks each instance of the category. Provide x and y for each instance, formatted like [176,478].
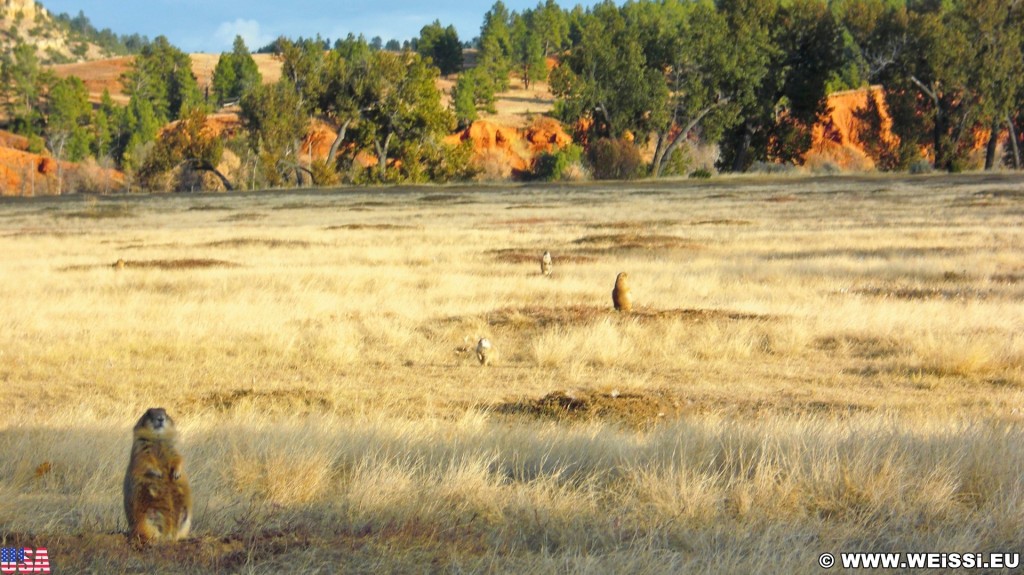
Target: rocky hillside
[28,22]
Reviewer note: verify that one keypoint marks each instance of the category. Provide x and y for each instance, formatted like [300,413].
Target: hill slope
[25,21]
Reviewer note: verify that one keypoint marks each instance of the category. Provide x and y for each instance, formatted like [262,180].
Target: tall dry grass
[813,365]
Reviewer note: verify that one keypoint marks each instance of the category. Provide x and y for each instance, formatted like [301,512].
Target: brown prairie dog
[157,496]
[620,295]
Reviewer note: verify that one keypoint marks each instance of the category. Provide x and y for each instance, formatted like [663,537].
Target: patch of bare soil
[177,264]
[860,346]
[604,243]
[257,242]
[453,199]
[722,222]
[985,198]
[630,409]
[582,314]
[1008,278]
[244,217]
[368,204]
[887,253]
[210,208]
[274,400]
[99,212]
[372,227]
[519,256]
[957,293]
[634,224]
[112,552]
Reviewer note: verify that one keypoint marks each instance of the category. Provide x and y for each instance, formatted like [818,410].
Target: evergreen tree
[162,75]
[551,25]
[495,57]
[527,50]
[402,120]
[68,114]
[442,46]
[22,85]
[276,120]
[236,73]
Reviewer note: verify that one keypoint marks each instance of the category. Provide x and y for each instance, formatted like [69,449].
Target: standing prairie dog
[484,351]
[157,497]
[545,264]
[620,295]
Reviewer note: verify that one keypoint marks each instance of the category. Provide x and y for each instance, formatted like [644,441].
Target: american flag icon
[24,560]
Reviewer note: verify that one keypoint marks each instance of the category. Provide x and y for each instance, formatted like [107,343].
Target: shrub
[555,165]
[446,163]
[493,166]
[921,166]
[324,173]
[827,168]
[614,159]
[701,174]
[772,168]
[679,162]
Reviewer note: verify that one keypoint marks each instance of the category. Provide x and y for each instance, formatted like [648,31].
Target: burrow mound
[175,264]
[521,256]
[273,400]
[633,409]
[574,315]
[603,243]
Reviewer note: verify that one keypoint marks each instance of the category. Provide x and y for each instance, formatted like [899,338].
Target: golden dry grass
[842,371]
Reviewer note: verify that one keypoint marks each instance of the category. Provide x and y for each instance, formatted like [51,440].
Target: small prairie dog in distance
[545,264]
[484,351]
[620,294]
[157,496]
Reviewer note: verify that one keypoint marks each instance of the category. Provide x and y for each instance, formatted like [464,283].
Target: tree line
[750,76]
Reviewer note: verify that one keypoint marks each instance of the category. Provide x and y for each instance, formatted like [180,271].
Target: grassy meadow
[811,365]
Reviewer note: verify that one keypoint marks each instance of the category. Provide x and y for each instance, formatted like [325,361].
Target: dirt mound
[633,409]
[317,144]
[546,134]
[179,264]
[511,147]
[389,227]
[13,141]
[23,173]
[223,124]
[258,242]
[291,401]
[839,139]
[576,315]
[603,243]
[19,172]
[519,256]
[540,317]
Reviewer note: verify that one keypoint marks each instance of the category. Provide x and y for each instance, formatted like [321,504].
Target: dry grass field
[811,365]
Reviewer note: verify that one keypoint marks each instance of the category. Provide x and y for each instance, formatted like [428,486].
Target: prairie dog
[120,264]
[484,351]
[620,295]
[545,264]
[157,496]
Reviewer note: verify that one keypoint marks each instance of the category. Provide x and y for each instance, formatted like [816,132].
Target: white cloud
[250,31]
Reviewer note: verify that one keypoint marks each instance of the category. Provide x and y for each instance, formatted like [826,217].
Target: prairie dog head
[155,424]
[620,280]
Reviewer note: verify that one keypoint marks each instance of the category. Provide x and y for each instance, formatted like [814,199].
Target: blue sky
[211,26]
